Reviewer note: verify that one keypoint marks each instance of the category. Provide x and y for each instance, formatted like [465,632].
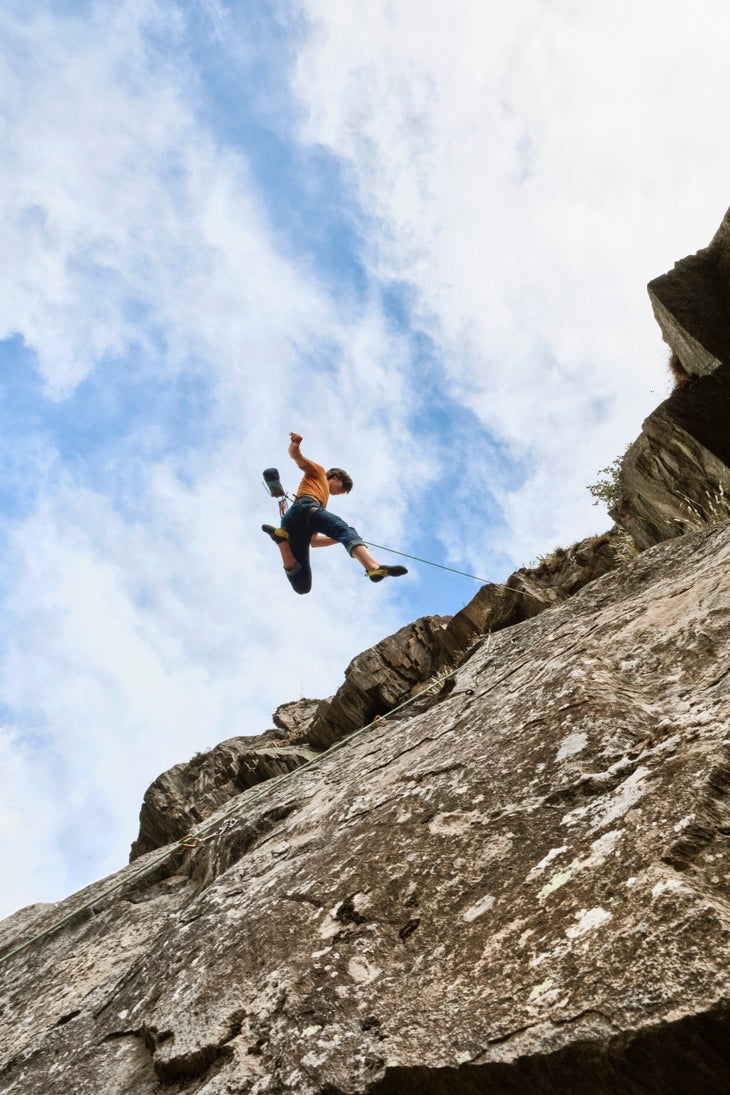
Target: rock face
[522,887]
[188,793]
[378,680]
[390,673]
[676,476]
[692,305]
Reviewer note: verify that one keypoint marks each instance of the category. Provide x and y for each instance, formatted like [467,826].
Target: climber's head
[339,481]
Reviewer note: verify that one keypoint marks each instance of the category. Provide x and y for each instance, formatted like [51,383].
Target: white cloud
[147,616]
[529,168]
[124,218]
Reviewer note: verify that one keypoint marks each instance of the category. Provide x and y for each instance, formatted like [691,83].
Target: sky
[417,233]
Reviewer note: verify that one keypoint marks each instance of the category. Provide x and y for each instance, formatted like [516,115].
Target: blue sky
[419,234]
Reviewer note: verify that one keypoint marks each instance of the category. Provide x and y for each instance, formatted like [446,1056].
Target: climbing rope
[485,581]
[192,840]
[284,499]
[429,563]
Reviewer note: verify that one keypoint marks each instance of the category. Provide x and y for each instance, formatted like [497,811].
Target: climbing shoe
[278,535]
[379,573]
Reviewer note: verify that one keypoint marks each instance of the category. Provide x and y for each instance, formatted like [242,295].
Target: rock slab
[676,476]
[524,887]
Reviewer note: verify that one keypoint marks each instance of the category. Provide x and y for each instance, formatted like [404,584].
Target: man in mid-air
[308,522]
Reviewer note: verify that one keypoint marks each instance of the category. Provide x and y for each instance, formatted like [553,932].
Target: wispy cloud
[527,169]
[178,336]
[420,237]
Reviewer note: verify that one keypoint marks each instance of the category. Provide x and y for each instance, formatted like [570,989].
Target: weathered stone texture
[391,672]
[676,476]
[294,719]
[530,591]
[525,887]
[188,793]
[692,305]
[377,680]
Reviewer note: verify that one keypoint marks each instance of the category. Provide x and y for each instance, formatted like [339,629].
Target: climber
[307,523]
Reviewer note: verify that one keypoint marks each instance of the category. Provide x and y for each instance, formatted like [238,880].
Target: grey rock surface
[294,719]
[523,887]
[377,680]
[393,671]
[691,304]
[532,590]
[676,476]
[188,793]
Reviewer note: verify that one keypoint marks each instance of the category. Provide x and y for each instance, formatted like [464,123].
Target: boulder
[377,680]
[294,719]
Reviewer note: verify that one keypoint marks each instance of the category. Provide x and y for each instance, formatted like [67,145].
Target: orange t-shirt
[314,483]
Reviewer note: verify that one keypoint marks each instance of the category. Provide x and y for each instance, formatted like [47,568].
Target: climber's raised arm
[296,454]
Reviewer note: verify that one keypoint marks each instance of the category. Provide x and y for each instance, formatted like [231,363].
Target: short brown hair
[344,478]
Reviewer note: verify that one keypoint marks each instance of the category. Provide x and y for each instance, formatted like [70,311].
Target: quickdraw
[189,841]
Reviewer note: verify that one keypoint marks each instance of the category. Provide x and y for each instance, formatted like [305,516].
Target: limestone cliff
[496,860]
